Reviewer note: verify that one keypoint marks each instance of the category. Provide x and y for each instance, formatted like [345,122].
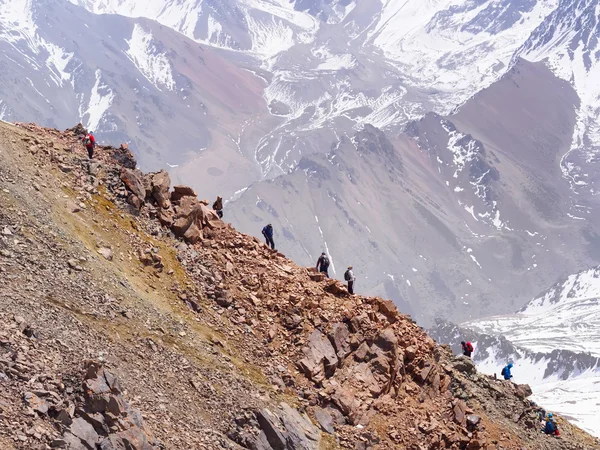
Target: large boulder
[165,217]
[340,336]
[464,364]
[125,157]
[133,179]
[460,413]
[82,435]
[320,359]
[523,390]
[191,217]
[182,191]
[284,428]
[161,183]
[193,234]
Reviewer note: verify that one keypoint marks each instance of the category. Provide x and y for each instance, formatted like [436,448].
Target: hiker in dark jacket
[268,234]
[90,143]
[323,264]
[467,348]
[350,278]
[506,372]
[218,207]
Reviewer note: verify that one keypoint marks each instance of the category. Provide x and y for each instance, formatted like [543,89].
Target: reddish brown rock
[348,404]
[340,336]
[460,413]
[133,179]
[317,276]
[388,309]
[135,201]
[336,288]
[320,359]
[161,183]
[193,234]
[165,217]
[523,390]
[182,191]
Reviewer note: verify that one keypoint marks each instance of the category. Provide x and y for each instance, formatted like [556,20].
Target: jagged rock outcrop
[104,420]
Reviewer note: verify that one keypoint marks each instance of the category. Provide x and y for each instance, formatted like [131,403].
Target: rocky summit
[133,317]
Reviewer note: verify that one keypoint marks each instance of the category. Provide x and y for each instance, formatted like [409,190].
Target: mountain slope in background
[458,217]
[272,110]
[553,342]
[128,80]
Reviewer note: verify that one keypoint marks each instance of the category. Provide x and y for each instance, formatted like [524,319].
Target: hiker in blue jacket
[551,427]
[506,372]
[268,234]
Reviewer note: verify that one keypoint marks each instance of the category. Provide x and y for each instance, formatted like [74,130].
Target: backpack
[347,276]
[503,373]
[325,262]
[87,141]
[469,346]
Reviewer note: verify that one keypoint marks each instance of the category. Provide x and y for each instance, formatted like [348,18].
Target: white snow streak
[101,98]
[152,64]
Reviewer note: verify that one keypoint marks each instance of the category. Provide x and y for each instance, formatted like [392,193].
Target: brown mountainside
[117,334]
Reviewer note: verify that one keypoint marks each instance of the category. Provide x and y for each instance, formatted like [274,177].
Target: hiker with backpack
[551,426]
[350,278]
[267,232]
[89,141]
[506,372]
[323,264]
[218,207]
[467,348]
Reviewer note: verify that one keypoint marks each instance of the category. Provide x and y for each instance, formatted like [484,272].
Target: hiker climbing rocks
[551,427]
[90,143]
[218,207]
[268,234]
[323,264]
[506,372]
[350,278]
[467,348]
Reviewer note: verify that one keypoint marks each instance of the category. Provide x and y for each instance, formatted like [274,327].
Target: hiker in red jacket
[90,143]
[467,348]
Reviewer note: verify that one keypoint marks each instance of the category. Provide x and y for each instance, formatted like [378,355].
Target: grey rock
[270,425]
[286,429]
[301,433]
[464,364]
[340,337]
[325,420]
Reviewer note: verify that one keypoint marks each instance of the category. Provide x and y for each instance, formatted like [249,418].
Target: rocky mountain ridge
[219,342]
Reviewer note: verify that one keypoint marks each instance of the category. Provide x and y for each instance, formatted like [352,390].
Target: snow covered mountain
[481,182]
[554,343]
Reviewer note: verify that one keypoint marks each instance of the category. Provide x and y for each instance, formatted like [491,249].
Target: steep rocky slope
[218,342]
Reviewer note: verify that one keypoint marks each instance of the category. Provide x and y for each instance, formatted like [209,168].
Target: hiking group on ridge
[322,263]
[89,141]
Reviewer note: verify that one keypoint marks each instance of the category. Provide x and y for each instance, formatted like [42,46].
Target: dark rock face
[283,428]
